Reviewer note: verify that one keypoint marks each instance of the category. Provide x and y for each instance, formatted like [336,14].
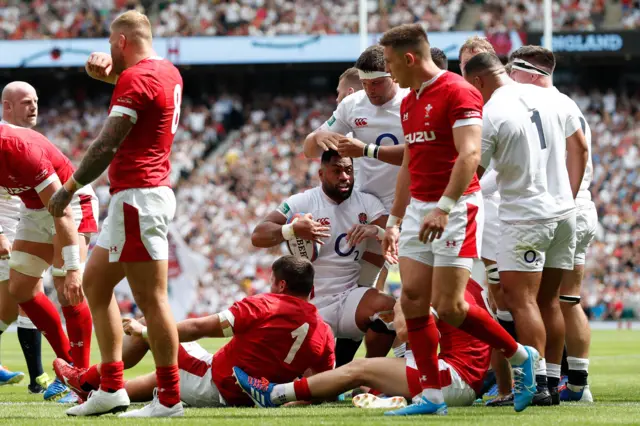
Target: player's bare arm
[359,232]
[94,163]
[5,246]
[467,140]
[355,148]
[66,241]
[188,330]
[99,66]
[400,203]
[319,141]
[577,158]
[269,233]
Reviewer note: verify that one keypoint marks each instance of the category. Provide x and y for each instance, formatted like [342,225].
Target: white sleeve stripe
[227,316]
[467,122]
[48,181]
[119,111]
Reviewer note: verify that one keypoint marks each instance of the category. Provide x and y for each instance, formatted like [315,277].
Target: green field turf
[614,377]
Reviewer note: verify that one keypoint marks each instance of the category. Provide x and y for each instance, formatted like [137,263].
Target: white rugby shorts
[137,225]
[461,240]
[339,312]
[530,247]
[9,225]
[456,394]
[196,386]
[491,231]
[37,225]
[586,226]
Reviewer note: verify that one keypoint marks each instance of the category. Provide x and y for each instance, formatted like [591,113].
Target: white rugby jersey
[371,124]
[489,185]
[583,194]
[524,131]
[337,267]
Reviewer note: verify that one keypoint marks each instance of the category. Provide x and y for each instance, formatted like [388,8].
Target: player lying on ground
[342,220]
[463,364]
[279,335]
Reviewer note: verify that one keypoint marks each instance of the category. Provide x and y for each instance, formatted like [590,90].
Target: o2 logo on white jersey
[340,253]
[387,136]
[417,137]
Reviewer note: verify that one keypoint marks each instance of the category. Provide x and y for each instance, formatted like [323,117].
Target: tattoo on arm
[103,149]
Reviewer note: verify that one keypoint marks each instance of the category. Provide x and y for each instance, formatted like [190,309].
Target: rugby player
[33,169]
[442,228]
[463,362]
[135,143]
[348,83]
[341,220]
[279,335]
[20,108]
[525,132]
[535,65]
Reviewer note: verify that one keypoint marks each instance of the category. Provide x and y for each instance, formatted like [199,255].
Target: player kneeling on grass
[463,361]
[341,220]
[279,335]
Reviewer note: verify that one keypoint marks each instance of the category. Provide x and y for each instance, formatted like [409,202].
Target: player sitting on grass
[463,361]
[280,335]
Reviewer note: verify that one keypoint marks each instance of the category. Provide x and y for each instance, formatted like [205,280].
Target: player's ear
[409,58]
[351,90]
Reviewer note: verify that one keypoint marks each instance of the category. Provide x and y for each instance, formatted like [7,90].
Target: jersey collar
[428,83]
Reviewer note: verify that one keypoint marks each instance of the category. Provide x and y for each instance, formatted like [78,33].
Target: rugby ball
[302,248]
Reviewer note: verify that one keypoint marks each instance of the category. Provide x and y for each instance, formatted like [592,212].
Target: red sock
[112,378]
[79,324]
[481,325]
[44,316]
[301,387]
[168,382]
[424,337]
[91,377]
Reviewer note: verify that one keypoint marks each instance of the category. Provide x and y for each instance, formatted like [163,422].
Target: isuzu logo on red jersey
[360,122]
[420,137]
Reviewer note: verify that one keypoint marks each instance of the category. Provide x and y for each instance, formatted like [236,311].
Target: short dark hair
[439,58]
[407,36]
[352,77]
[297,272]
[482,62]
[536,55]
[328,155]
[372,59]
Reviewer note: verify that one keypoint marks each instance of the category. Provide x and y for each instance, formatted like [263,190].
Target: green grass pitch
[614,376]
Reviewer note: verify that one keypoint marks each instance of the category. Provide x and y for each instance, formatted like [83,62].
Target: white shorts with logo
[196,386]
[456,394]
[137,225]
[9,225]
[586,226]
[461,240]
[339,312]
[530,247]
[491,231]
[37,225]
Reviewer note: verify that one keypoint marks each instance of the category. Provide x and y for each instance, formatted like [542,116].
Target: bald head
[130,39]
[20,104]
[486,73]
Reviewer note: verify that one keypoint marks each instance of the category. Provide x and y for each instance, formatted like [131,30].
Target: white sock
[25,322]
[399,351]
[541,368]
[520,356]
[504,315]
[553,370]
[578,364]
[433,395]
[281,394]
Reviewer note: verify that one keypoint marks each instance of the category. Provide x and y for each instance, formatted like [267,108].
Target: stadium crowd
[221,197]
[40,19]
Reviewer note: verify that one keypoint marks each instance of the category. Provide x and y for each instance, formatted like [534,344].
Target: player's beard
[117,58]
[335,193]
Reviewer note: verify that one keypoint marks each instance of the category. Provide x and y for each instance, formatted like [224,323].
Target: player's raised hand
[390,244]
[329,140]
[73,287]
[359,233]
[433,225]
[132,327]
[308,229]
[350,147]
[99,65]
[5,247]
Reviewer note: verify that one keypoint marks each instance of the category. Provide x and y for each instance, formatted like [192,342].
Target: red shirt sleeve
[247,312]
[33,168]
[465,105]
[133,93]
[328,360]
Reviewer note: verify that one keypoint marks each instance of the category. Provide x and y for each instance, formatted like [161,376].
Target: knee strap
[493,276]
[382,322]
[27,264]
[574,300]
